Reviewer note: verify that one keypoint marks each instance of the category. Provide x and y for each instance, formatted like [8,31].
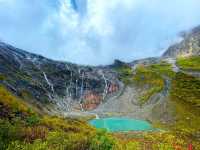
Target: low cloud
[96,31]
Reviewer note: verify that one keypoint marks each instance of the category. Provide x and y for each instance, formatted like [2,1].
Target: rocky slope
[48,83]
[60,87]
[190,45]
[139,89]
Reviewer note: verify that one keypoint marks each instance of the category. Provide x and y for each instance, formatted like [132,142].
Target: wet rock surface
[54,82]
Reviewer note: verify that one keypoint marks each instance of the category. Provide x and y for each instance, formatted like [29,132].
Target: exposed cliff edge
[190,45]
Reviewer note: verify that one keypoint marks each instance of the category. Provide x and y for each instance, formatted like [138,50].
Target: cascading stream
[81,96]
[48,82]
[106,86]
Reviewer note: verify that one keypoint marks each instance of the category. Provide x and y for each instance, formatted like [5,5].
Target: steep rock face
[67,86]
[190,45]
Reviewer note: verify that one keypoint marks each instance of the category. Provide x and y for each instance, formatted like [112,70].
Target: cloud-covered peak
[96,31]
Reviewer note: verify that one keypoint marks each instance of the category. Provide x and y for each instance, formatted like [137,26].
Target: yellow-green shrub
[15,104]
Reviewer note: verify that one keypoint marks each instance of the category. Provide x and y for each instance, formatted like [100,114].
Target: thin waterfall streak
[70,84]
[81,96]
[76,87]
[82,84]
[97,116]
[81,105]
[48,82]
[106,86]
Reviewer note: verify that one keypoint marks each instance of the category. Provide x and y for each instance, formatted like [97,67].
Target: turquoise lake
[116,124]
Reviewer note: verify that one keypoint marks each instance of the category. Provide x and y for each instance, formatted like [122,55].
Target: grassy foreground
[22,128]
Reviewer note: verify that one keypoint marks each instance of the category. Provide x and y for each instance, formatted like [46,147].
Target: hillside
[23,127]
[45,104]
[59,86]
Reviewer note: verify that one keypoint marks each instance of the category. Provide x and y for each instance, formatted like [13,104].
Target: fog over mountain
[96,31]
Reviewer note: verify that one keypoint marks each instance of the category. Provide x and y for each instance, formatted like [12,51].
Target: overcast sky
[96,31]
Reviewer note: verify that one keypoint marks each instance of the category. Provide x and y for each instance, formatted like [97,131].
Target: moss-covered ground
[185,95]
[189,63]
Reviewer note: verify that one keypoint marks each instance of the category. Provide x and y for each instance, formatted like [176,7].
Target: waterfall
[50,85]
[76,87]
[70,86]
[106,86]
[67,91]
[68,103]
[82,85]
[50,97]
[67,67]
[19,61]
[97,116]
[67,88]
[81,105]
[81,96]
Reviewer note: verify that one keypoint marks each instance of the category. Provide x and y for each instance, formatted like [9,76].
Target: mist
[96,32]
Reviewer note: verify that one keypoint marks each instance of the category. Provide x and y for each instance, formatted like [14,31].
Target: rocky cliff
[190,45]
[65,86]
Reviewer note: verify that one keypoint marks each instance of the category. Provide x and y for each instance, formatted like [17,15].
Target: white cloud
[99,30]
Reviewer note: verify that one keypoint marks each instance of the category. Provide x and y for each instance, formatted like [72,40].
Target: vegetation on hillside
[185,95]
[125,74]
[152,81]
[22,128]
[189,63]
[162,68]
[152,77]
[184,99]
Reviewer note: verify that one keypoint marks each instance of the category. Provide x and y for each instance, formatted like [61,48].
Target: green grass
[189,63]
[2,77]
[185,97]
[14,104]
[147,95]
[145,76]
[163,68]
[125,74]
[150,76]
[184,100]
[21,127]
[186,88]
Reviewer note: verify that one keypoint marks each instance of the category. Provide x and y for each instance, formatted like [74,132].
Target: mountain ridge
[70,86]
[44,104]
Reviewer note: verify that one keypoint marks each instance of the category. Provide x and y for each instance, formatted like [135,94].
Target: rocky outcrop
[65,85]
[190,45]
